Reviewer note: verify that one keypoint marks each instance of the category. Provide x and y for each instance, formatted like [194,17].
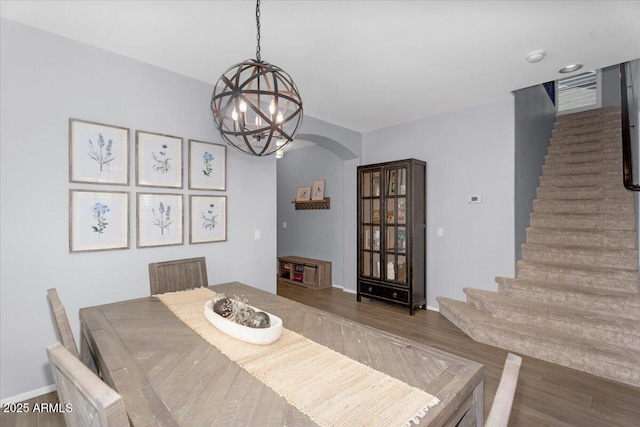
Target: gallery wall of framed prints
[99,217]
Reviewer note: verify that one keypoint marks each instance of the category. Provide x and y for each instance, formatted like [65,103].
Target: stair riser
[582,224]
[561,130]
[560,193]
[594,304]
[611,333]
[580,207]
[607,179]
[587,137]
[578,123]
[625,241]
[582,169]
[607,278]
[577,158]
[589,283]
[579,260]
[577,359]
[585,147]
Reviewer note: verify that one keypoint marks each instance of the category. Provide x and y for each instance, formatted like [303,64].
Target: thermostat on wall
[475,199]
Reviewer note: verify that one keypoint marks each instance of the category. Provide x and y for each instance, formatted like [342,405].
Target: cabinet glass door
[371,224]
[395,220]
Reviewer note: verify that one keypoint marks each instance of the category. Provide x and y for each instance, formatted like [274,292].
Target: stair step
[588,114]
[610,178]
[584,192]
[586,355]
[603,221]
[585,128]
[576,296]
[562,122]
[624,259]
[591,278]
[583,168]
[585,147]
[618,205]
[583,157]
[615,239]
[583,323]
[606,134]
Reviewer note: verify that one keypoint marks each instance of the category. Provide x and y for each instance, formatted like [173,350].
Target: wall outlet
[284,225]
[257,234]
[477,198]
[440,232]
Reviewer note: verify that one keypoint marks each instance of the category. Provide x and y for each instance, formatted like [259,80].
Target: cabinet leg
[359,298]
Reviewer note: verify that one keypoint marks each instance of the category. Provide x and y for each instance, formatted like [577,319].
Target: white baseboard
[28,395]
[343,289]
[433,308]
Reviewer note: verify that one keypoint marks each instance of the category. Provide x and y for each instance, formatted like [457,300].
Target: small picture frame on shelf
[98,153]
[389,216]
[303,194]
[98,220]
[158,160]
[376,215]
[159,220]
[318,190]
[208,219]
[207,166]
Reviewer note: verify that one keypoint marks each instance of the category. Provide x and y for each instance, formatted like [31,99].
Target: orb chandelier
[256,105]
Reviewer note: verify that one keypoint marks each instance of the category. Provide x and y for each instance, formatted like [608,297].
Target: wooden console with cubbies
[311,273]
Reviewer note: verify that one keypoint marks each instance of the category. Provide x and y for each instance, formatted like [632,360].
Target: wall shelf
[313,204]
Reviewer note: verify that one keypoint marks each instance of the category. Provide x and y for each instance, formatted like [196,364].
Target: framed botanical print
[303,194]
[317,191]
[208,219]
[207,166]
[158,160]
[159,220]
[98,153]
[98,220]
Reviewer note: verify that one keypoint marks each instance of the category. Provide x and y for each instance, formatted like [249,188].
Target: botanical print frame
[303,194]
[159,219]
[98,220]
[98,153]
[158,160]
[208,219]
[207,166]
[318,190]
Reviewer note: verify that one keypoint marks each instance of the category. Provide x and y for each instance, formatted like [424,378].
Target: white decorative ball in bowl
[260,336]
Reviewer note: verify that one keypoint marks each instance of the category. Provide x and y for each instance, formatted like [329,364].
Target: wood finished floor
[547,394]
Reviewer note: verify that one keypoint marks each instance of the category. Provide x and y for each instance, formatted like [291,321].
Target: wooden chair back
[62,322]
[501,407]
[177,275]
[92,402]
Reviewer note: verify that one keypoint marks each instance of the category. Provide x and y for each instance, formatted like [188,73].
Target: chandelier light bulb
[243,107]
[272,107]
[234,115]
[279,118]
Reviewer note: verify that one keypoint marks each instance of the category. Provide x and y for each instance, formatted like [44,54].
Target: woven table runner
[329,387]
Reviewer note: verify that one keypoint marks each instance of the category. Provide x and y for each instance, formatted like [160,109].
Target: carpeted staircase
[575,299]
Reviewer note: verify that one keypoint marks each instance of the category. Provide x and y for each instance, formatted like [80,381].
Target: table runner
[329,387]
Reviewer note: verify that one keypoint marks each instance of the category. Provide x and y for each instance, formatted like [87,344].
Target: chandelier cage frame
[256,105]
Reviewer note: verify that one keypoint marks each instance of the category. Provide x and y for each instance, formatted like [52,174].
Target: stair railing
[627,154]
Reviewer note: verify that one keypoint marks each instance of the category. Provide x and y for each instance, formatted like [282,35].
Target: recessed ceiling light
[536,56]
[570,68]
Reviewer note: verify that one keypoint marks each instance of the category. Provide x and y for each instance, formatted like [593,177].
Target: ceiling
[363,65]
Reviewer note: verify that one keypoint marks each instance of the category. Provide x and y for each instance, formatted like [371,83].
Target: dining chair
[62,322]
[501,407]
[91,402]
[177,275]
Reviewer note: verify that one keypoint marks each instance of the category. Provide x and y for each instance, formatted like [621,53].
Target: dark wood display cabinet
[392,232]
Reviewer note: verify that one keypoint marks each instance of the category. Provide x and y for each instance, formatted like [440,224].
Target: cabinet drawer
[385,292]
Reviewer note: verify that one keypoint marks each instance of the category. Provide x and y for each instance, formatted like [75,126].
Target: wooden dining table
[168,375]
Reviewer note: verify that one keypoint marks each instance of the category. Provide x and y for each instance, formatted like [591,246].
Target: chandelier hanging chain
[258,27]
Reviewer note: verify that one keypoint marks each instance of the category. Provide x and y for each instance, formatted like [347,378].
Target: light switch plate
[257,234]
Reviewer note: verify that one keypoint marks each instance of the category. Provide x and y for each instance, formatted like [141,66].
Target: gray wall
[611,86]
[468,152]
[535,116]
[45,80]
[312,233]
[635,78]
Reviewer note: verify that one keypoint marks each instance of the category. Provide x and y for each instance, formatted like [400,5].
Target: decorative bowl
[261,336]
